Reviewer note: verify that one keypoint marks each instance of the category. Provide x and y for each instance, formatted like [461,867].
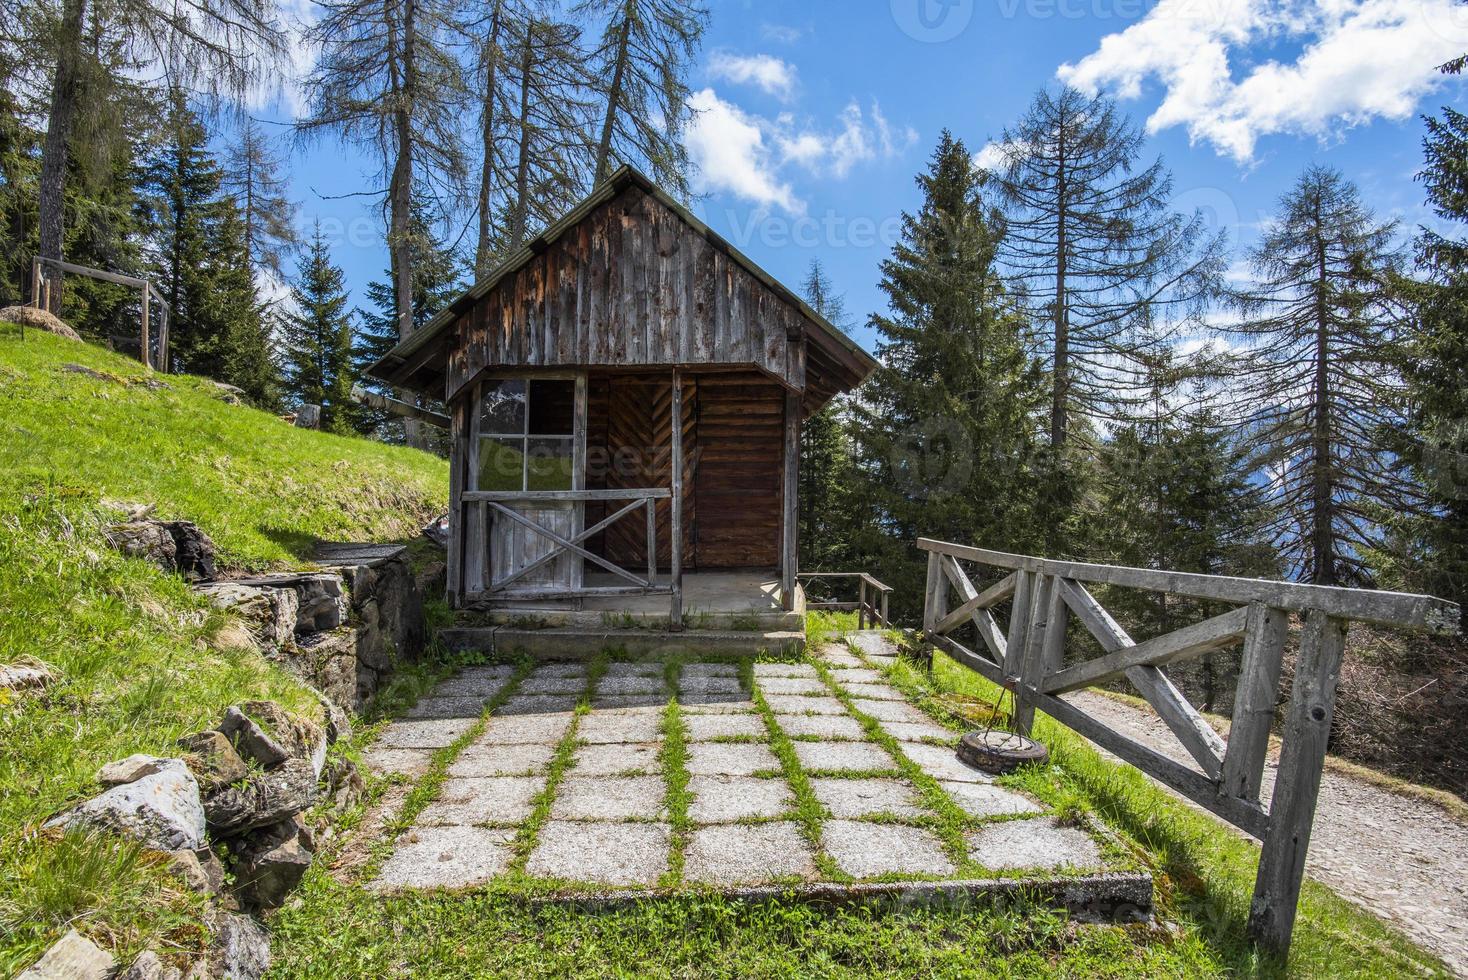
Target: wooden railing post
[1254,702]
[861,603]
[1297,784]
[885,595]
[1032,656]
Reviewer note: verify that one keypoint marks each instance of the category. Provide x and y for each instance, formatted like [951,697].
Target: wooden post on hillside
[147,348]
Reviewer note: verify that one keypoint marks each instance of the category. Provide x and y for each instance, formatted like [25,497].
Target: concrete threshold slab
[582,644]
[1104,897]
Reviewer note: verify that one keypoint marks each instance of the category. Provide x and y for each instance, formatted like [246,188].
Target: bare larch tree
[252,173]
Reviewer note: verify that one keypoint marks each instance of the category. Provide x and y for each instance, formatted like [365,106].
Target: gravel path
[1401,858]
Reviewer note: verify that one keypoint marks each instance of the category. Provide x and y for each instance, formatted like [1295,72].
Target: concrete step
[581,644]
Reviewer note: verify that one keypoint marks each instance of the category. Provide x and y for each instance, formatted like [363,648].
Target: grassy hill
[131,648]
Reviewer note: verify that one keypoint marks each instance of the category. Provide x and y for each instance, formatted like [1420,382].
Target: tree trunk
[1322,543]
[522,163]
[55,153]
[400,196]
[484,254]
[614,92]
[1060,395]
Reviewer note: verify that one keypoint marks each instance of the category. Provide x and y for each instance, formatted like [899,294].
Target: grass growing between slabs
[1203,871]
[136,658]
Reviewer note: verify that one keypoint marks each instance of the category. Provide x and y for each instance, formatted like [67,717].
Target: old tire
[1000,752]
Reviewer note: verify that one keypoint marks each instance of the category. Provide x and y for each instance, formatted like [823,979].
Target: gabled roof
[416,362]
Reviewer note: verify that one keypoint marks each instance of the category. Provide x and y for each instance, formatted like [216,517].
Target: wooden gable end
[632,284]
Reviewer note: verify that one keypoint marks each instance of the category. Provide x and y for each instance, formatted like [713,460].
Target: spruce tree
[316,339]
[1321,380]
[236,346]
[946,425]
[825,453]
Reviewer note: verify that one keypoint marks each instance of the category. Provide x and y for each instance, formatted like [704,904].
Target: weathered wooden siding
[631,285]
[737,480]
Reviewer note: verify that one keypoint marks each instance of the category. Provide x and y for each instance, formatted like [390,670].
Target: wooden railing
[1029,658]
[871,597]
[494,506]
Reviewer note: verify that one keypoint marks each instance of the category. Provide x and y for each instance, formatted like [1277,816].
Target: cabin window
[526,435]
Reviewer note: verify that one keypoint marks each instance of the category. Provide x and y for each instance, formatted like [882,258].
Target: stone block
[870,850]
[1040,843]
[855,799]
[602,853]
[446,857]
[725,799]
[610,798]
[732,759]
[745,854]
[161,809]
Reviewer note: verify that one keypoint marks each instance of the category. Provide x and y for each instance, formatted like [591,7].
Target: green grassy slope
[133,651]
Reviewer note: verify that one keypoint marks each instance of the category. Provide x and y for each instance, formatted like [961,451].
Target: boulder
[328,662]
[39,319]
[240,950]
[251,740]
[321,601]
[201,870]
[301,739]
[270,863]
[269,614]
[161,809]
[74,957]
[25,677]
[174,546]
[261,800]
[129,770]
[213,759]
[148,966]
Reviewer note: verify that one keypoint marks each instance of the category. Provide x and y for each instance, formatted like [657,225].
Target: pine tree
[1321,381]
[946,425]
[1429,547]
[316,339]
[641,66]
[236,345]
[252,175]
[180,184]
[825,453]
[1101,256]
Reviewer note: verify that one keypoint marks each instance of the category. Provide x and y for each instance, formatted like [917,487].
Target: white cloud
[1359,60]
[728,147]
[770,74]
[284,91]
[861,137]
[781,33]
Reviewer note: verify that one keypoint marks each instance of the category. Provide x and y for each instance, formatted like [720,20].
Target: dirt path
[1403,859]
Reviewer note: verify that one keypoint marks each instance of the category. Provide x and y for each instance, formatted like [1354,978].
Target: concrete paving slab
[604,853]
[872,643]
[854,799]
[857,675]
[445,857]
[474,681]
[763,671]
[389,761]
[484,759]
[923,731]
[843,757]
[635,684]
[981,800]
[867,850]
[739,854]
[799,704]
[702,728]
[942,763]
[734,759]
[702,669]
[424,734]
[609,702]
[793,685]
[489,799]
[874,692]
[634,668]
[538,704]
[447,707]
[610,798]
[1040,843]
[567,669]
[890,710]
[603,728]
[524,729]
[725,799]
[821,726]
[538,683]
[838,656]
[714,704]
[709,684]
[616,760]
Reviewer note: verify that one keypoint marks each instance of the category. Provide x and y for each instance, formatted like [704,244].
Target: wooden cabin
[625,396]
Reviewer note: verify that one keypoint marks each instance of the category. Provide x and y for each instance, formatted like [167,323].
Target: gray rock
[329,662]
[262,800]
[271,862]
[321,603]
[344,783]
[251,740]
[74,957]
[162,809]
[148,966]
[241,948]
[174,546]
[129,770]
[24,677]
[213,760]
[194,551]
[269,614]
[201,870]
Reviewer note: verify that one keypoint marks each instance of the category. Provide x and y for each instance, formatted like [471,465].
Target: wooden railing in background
[152,343]
[1029,658]
[871,598]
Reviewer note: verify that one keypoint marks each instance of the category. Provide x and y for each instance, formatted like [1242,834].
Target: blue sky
[815,117]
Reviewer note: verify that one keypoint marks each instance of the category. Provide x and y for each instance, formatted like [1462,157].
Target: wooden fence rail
[871,597]
[1028,657]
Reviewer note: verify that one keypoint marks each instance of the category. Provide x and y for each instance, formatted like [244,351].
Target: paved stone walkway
[597,781]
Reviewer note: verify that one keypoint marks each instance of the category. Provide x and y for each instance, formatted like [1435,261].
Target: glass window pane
[501,464]
[552,408]
[502,407]
[551,464]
